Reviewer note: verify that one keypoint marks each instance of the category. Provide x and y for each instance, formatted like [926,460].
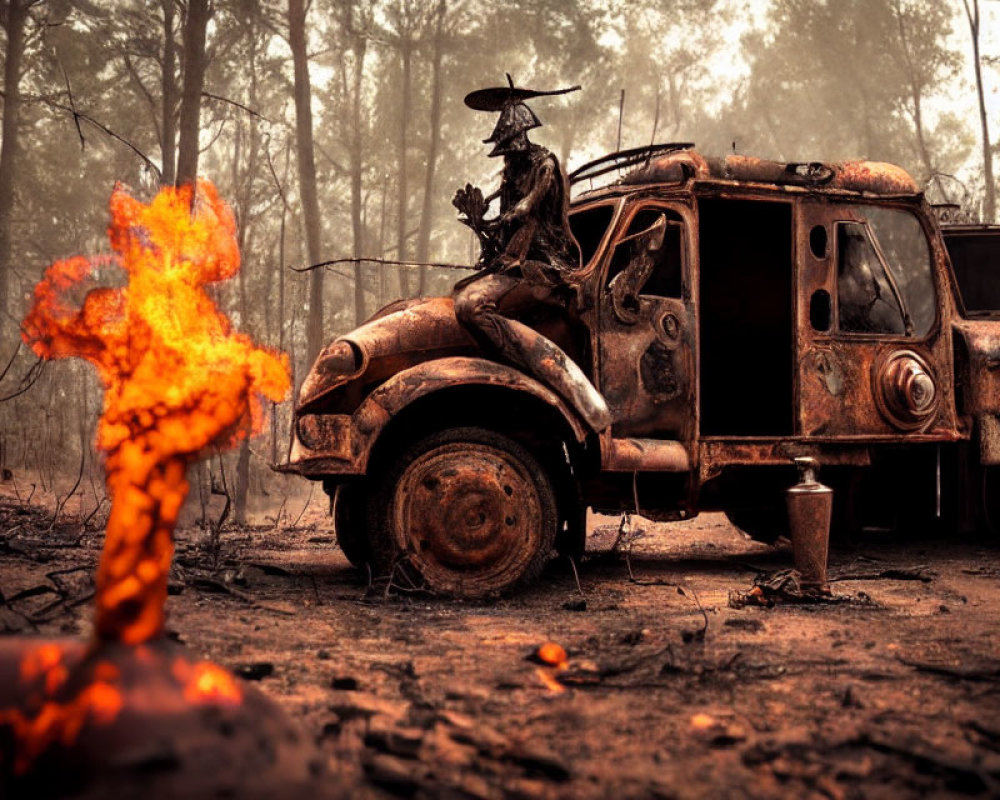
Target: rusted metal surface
[484,307]
[382,347]
[683,170]
[873,390]
[329,433]
[644,455]
[873,176]
[639,338]
[810,509]
[361,430]
[853,176]
[743,168]
[981,383]
[716,454]
[845,380]
[646,342]
[469,516]
[623,159]
[671,168]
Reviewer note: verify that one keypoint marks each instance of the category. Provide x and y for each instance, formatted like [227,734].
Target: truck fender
[409,385]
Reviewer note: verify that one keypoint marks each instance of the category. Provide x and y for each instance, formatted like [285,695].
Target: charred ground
[670,691]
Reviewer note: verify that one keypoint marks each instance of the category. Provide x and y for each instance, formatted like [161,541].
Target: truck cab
[735,314]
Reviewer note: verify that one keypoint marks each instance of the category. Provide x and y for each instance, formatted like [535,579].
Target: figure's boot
[552,366]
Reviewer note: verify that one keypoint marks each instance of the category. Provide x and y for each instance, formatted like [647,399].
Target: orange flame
[176,377]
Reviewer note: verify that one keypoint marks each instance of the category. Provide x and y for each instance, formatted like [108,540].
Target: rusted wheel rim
[469,517]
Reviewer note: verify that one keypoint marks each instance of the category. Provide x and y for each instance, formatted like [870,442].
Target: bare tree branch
[6,369]
[79,115]
[72,105]
[29,379]
[240,106]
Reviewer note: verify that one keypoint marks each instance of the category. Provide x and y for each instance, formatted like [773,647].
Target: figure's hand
[470,202]
[518,212]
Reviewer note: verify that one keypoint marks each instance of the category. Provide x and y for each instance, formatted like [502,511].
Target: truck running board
[644,455]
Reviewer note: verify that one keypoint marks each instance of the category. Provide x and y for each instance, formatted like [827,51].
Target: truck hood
[399,336]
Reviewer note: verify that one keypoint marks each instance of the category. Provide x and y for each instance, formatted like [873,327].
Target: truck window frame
[675,217]
[859,218]
[587,268]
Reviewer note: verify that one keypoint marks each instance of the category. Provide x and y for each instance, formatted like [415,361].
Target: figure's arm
[545,177]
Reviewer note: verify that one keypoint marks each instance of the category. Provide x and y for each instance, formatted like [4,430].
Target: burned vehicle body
[735,314]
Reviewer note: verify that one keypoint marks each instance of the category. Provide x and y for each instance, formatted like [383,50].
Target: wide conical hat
[497,98]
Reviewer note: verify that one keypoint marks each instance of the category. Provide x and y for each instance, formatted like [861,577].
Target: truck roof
[678,164]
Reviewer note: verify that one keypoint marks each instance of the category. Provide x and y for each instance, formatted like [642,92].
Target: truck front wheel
[465,512]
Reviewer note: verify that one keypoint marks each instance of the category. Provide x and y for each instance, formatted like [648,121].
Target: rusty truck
[793,310]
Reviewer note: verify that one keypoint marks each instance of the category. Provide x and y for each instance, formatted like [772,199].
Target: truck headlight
[904,388]
[339,359]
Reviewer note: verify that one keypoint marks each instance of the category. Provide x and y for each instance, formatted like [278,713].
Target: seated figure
[528,256]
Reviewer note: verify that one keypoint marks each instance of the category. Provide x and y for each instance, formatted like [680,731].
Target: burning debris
[177,380]
[132,713]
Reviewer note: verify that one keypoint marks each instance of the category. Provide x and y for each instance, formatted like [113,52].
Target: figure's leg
[483,308]
[477,307]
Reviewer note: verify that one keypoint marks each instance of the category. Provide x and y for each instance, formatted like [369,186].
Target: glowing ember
[177,379]
[702,721]
[550,681]
[54,721]
[553,656]
[205,682]
[552,653]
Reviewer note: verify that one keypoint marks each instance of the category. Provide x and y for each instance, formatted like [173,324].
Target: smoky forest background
[336,128]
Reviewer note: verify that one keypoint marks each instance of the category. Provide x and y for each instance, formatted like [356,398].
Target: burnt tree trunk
[916,87]
[382,277]
[195,24]
[307,171]
[281,294]
[13,23]
[243,200]
[246,156]
[357,227]
[168,86]
[990,206]
[405,54]
[433,145]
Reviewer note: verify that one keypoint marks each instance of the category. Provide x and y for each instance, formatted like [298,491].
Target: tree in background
[989,196]
[189,147]
[13,16]
[921,64]
[851,80]
[366,97]
[297,40]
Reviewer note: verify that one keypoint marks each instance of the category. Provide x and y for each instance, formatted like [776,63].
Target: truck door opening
[745,317]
